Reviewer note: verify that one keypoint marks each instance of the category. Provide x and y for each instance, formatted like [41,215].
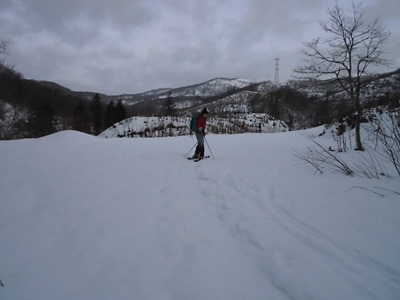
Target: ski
[199,159]
[196,159]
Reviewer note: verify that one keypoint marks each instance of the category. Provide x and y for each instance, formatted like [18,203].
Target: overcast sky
[132,46]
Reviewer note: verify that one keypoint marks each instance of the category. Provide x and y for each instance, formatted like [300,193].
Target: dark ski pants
[200,138]
[200,145]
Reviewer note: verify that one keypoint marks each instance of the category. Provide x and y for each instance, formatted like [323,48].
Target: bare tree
[3,46]
[352,46]
[3,49]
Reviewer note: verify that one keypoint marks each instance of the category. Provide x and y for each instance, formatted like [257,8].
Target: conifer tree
[80,118]
[120,113]
[97,114]
[110,115]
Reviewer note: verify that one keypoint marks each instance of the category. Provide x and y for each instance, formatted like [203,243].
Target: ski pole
[191,149]
[209,147]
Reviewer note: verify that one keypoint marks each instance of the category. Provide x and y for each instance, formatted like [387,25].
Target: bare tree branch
[3,47]
[3,50]
[365,189]
[345,55]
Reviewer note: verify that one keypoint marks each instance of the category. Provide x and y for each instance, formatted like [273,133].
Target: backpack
[193,122]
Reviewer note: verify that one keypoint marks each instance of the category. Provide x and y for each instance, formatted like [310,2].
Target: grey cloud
[81,19]
[135,45]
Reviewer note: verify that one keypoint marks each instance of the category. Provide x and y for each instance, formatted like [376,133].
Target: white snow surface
[83,217]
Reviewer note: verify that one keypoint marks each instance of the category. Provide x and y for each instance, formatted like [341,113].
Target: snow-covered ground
[83,217]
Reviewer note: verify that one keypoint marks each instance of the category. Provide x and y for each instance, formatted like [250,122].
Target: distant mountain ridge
[220,86]
[210,88]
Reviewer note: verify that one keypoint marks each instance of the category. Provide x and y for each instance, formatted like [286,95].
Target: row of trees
[101,117]
[91,118]
[49,110]
[95,117]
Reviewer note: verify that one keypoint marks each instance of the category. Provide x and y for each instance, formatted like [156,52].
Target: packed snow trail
[89,218]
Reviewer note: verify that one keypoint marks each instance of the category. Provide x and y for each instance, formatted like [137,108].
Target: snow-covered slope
[381,86]
[209,88]
[236,103]
[177,126]
[83,218]
[213,87]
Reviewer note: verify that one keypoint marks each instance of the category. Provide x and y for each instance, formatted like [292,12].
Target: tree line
[49,110]
[95,117]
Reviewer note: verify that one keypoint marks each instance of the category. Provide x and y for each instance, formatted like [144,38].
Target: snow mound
[69,136]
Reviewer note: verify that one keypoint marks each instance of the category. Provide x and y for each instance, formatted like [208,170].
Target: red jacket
[201,122]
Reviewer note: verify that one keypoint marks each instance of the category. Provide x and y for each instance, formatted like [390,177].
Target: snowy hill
[236,103]
[83,217]
[209,88]
[178,126]
[376,88]
[213,87]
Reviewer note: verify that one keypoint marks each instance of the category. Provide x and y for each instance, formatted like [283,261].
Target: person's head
[204,112]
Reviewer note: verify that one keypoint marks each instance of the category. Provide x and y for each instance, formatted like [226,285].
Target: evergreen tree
[96,109]
[41,120]
[80,118]
[169,110]
[120,113]
[110,115]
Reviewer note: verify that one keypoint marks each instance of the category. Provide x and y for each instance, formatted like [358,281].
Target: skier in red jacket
[200,133]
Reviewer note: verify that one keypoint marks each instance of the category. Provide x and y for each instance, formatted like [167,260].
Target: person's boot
[201,152]
[196,152]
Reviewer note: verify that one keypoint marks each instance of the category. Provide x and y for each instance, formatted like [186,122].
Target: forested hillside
[30,108]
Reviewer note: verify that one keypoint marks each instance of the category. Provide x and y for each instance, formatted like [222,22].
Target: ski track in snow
[234,227]
[270,259]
